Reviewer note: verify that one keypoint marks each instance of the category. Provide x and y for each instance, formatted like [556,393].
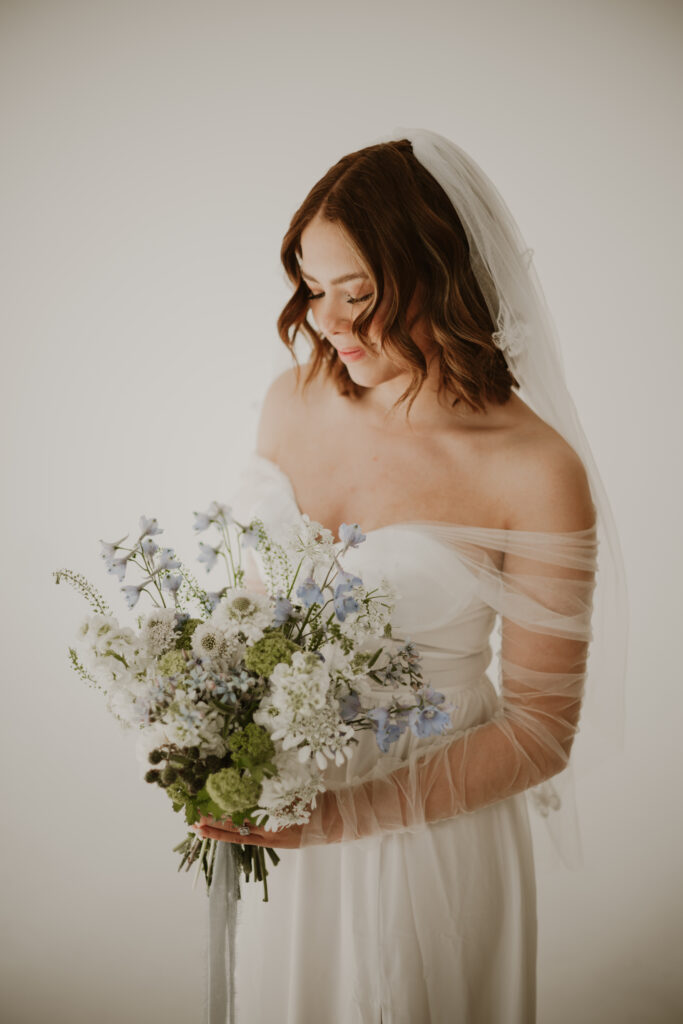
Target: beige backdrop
[153,153]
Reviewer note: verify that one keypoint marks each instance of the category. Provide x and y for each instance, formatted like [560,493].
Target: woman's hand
[227,832]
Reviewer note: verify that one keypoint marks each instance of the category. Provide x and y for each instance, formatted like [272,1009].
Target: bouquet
[241,698]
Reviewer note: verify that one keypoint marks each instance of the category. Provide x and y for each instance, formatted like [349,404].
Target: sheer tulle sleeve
[542,585]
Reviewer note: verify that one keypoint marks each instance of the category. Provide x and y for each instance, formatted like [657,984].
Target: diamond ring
[244,830]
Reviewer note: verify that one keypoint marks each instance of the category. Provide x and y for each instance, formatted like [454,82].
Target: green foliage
[82,671]
[194,590]
[85,589]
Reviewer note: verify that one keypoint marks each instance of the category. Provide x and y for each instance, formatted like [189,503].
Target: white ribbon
[223,901]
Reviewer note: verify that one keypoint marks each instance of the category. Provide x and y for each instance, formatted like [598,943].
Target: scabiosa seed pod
[169,775]
[155,756]
[153,775]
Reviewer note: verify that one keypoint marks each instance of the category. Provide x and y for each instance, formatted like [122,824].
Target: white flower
[301,686]
[371,618]
[286,797]
[158,633]
[312,541]
[307,712]
[244,611]
[211,643]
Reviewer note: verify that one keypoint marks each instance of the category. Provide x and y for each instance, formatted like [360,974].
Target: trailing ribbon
[223,901]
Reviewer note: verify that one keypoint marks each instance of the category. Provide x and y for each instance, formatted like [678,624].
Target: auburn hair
[404,230]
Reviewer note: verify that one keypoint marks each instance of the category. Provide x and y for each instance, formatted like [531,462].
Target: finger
[227,836]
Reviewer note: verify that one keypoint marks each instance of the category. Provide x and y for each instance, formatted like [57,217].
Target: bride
[410,896]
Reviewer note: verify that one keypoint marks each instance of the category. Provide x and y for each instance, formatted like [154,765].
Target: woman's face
[340,288]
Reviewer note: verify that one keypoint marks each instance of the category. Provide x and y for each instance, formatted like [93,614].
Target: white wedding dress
[431,926]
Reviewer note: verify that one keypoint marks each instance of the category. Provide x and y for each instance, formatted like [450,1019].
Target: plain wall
[153,154]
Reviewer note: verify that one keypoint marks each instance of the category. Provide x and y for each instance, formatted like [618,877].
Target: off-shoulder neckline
[433,524]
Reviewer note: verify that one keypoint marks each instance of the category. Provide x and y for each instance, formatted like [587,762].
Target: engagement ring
[244,830]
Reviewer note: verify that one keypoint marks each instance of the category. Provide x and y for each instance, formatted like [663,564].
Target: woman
[410,896]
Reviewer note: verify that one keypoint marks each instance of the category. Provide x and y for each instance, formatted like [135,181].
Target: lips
[349,351]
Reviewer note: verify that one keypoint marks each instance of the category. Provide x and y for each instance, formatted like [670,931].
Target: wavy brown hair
[403,229]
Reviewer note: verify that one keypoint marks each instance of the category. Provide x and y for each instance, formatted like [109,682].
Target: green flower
[172,663]
[233,792]
[253,742]
[184,639]
[273,648]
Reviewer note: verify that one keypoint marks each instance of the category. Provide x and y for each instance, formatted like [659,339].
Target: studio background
[154,153]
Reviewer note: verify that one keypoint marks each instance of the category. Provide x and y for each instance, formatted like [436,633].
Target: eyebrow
[337,280]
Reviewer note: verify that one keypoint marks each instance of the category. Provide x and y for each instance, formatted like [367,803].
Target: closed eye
[350,299]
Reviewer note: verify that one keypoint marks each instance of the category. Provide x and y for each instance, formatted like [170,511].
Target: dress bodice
[438,606]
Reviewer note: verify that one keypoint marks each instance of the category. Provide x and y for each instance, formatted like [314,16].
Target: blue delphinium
[429,721]
[172,583]
[388,731]
[346,580]
[282,611]
[310,593]
[167,559]
[117,567]
[351,535]
[149,526]
[132,594]
[208,554]
[201,521]
[349,706]
[344,603]
[249,538]
[214,597]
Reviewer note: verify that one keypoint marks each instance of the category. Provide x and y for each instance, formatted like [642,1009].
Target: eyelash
[363,298]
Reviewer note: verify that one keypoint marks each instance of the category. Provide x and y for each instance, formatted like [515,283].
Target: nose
[333,316]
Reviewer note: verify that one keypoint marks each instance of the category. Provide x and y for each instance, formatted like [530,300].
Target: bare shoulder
[282,410]
[545,483]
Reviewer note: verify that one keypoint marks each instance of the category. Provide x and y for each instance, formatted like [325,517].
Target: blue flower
[109,550]
[345,581]
[214,596]
[349,706]
[432,696]
[131,594]
[215,513]
[387,731]
[149,526]
[149,546]
[117,567]
[310,593]
[249,537]
[283,610]
[351,535]
[171,583]
[429,721]
[343,604]
[201,521]
[208,554]
[218,511]
[167,559]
